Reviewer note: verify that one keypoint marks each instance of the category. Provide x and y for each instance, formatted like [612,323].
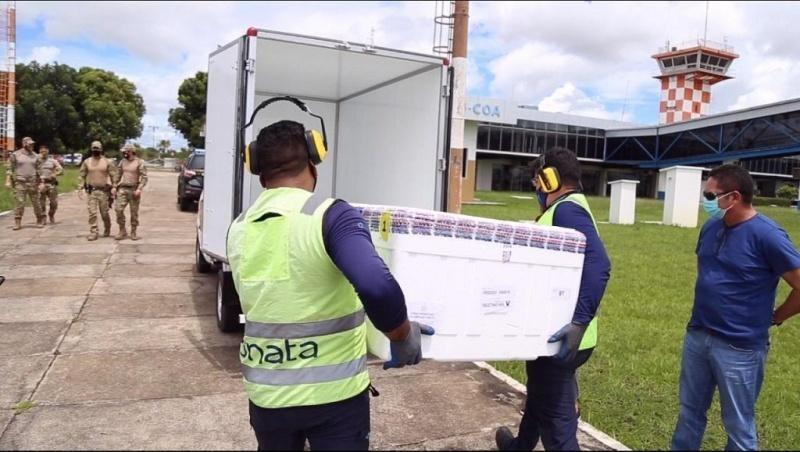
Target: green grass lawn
[67,182]
[629,388]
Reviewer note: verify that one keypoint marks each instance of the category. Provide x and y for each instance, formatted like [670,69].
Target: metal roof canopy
[760,111]
[314,68]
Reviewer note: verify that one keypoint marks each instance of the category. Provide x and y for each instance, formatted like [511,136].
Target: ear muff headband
[316,142]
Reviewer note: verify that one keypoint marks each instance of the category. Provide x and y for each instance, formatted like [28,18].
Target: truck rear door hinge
[441,165]
[250,65]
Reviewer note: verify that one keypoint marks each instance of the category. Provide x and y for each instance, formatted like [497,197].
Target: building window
[519,141]
[483,137]
[494,139]
[505,141]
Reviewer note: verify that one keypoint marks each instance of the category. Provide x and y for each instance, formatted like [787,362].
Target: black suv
[190,179]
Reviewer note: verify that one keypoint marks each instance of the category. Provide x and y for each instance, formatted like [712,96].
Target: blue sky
[590,58]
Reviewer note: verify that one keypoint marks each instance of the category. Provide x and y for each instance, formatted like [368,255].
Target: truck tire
[228,307]
[200,262]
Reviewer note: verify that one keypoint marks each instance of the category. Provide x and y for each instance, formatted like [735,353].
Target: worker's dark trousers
[336,426]
[550,409]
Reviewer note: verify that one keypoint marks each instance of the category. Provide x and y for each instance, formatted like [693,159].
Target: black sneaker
[504,439]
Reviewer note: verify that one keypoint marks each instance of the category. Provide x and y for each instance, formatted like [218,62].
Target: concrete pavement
[115,346]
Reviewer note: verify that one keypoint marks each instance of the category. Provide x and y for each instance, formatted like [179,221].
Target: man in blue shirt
[741,256]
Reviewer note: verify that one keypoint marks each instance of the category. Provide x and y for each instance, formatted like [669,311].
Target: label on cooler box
[495,301]
[395,220]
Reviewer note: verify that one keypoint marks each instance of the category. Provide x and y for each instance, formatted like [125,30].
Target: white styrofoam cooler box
[493,290]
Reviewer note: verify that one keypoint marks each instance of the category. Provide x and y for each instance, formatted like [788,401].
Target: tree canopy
[67,109]
[190,118]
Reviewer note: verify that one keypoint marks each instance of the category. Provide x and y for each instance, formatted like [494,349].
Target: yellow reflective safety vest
[590,336]
[305,337]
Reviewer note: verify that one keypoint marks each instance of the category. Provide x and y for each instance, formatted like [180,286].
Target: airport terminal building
[502,138]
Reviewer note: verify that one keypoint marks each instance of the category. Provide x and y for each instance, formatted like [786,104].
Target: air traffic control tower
[687,73]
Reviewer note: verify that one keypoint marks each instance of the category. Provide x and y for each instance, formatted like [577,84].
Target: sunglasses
[712,196]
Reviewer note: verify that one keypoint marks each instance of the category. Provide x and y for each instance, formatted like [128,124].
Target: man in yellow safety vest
[550,411]
[307,274]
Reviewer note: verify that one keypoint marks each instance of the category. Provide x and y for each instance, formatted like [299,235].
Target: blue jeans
[710,362]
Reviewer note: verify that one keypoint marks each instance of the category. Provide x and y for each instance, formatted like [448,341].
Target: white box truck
[387,118]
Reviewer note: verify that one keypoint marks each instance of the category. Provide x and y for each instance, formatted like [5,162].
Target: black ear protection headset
[316,143]
[548,179]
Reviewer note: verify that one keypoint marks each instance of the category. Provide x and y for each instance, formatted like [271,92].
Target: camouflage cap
[97,144]
[27,140]
[129,147]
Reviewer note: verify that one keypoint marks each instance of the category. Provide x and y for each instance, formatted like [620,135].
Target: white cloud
[172,40]
[44,55]
[527,51]
[569,99]
[606,48]
[475,78]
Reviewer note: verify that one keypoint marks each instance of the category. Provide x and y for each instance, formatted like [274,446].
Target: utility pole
[153,129]
[456,162]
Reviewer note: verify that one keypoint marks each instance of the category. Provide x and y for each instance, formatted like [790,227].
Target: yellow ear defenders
[316,142]
[548,179]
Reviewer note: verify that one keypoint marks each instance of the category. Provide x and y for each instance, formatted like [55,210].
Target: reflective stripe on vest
[305,375]
[305,331]
[590,336]
[302,330]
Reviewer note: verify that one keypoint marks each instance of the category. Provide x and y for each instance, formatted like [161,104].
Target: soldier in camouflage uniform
[49,170]
[23,177]
[97,176]
[132,179]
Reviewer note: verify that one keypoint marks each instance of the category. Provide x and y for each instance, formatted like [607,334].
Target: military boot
[123,234]
[17,224]
[92,237]
[133,233]
[41,222]
[107,230]
[52,218]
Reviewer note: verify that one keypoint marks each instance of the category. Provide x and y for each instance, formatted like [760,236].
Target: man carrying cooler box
[550,411]
[307,275]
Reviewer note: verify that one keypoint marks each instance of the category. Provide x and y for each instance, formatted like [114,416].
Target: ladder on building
[443,23]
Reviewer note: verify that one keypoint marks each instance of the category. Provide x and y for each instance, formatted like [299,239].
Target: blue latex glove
[408,351]
[570,336]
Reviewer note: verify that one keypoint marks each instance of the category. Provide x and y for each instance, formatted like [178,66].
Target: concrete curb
[585,427]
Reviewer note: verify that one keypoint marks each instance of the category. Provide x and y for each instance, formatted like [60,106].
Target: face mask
[542,197]
[95,152]
[126,154]
[713,209]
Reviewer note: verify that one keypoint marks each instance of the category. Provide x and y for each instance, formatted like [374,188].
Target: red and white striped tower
[687,73]
[8,83]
